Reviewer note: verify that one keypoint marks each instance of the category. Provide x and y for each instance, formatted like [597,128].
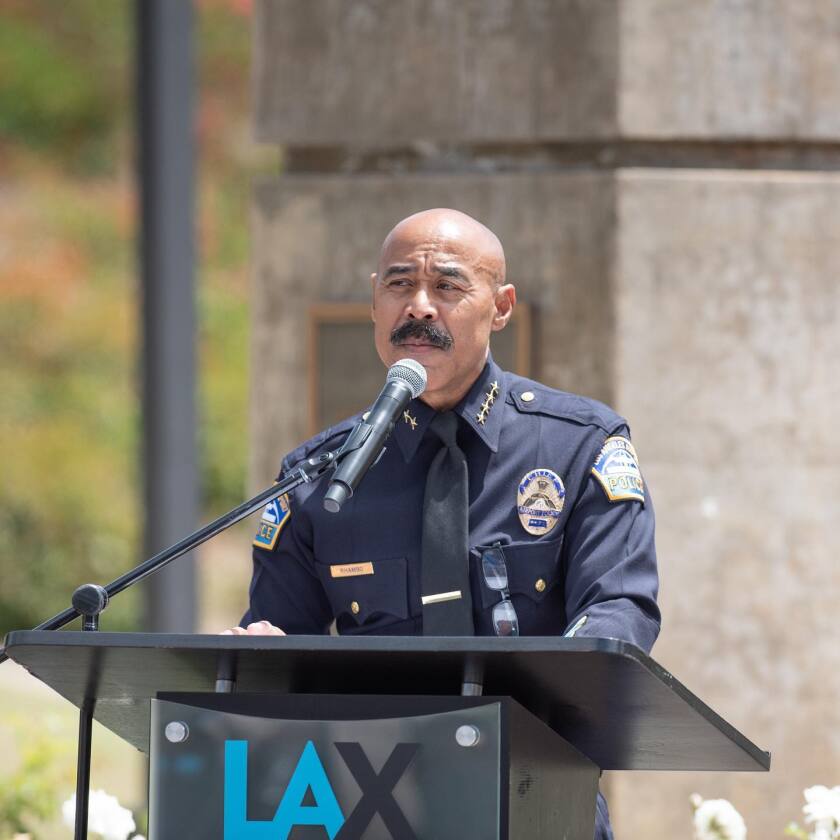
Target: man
[556,524]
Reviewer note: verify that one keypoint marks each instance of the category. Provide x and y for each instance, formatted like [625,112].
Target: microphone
[406,380]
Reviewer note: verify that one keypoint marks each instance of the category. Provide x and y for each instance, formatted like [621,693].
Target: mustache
[424,330]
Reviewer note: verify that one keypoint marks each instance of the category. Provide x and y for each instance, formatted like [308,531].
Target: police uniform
[553,479]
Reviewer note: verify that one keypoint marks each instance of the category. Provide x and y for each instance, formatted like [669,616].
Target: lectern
[370,738]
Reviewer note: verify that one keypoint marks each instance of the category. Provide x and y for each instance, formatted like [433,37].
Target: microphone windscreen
[410,372]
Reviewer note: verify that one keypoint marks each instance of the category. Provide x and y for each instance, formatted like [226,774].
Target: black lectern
[303,737]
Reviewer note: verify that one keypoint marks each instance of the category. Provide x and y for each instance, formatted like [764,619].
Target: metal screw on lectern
[467,735]
[176,731]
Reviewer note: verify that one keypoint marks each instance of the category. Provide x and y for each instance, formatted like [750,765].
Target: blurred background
[71,493]
[663,174]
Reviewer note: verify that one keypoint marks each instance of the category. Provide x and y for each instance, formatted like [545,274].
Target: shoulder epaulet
[320,441]
[531,397]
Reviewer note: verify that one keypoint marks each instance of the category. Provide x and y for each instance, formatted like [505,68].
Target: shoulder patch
[617,468]
[274,517]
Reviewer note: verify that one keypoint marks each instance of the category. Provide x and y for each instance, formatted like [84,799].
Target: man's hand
[258,628]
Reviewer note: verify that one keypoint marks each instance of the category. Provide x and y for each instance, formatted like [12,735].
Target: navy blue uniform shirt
[553,478]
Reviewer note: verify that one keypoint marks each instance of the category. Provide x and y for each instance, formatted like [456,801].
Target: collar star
[489,399]
[412,421]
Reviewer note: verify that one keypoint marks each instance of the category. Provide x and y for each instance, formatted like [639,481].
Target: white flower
[106,816]
[822,807]
[717,819]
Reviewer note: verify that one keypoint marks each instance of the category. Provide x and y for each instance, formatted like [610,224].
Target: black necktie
[447,601]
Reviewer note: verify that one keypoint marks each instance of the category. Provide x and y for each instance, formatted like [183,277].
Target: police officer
[558,522]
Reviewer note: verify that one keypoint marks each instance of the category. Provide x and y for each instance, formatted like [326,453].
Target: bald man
[560,532]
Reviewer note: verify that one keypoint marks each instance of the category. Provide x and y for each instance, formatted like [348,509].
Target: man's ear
[505,301]
[373,278]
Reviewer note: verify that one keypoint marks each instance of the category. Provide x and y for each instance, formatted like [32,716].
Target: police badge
[539,501]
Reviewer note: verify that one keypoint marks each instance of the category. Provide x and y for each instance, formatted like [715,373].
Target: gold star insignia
[410,420]
[489,399]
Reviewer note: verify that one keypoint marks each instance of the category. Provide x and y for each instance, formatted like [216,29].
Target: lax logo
[310,777]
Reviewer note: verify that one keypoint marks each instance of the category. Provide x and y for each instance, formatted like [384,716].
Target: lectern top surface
[607,697]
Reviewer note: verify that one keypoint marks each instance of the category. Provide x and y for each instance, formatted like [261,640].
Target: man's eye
[446,286]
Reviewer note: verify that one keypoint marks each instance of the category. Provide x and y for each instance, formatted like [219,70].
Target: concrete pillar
[661,173]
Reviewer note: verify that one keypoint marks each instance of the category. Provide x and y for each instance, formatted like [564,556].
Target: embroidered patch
[274,517]
[351,570]
[539,501]
[617,468]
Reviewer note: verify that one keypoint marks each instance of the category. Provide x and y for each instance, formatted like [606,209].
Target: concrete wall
[662,175]
[378,73]
[727,296]
[723,69]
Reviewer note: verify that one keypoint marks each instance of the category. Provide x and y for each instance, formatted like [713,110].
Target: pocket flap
[534,569]
[364,596]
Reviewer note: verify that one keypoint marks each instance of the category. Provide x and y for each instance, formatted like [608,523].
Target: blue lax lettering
[309,774]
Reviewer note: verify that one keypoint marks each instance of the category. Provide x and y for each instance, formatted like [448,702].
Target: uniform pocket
[368,597]
[534,569]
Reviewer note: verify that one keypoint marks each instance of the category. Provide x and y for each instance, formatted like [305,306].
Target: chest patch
[539,501]
[274,517]
[617,468]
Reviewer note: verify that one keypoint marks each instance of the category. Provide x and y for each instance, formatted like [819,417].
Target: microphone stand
[89,605]
[90,599]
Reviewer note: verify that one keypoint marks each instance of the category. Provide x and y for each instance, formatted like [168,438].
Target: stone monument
[663,176]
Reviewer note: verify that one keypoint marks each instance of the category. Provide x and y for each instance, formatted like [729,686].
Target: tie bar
[440,597]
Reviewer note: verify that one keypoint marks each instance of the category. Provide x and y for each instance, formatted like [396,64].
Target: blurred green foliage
[62,69]
[69,403]
[31,793]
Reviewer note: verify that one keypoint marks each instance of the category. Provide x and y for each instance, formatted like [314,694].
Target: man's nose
[421,306]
